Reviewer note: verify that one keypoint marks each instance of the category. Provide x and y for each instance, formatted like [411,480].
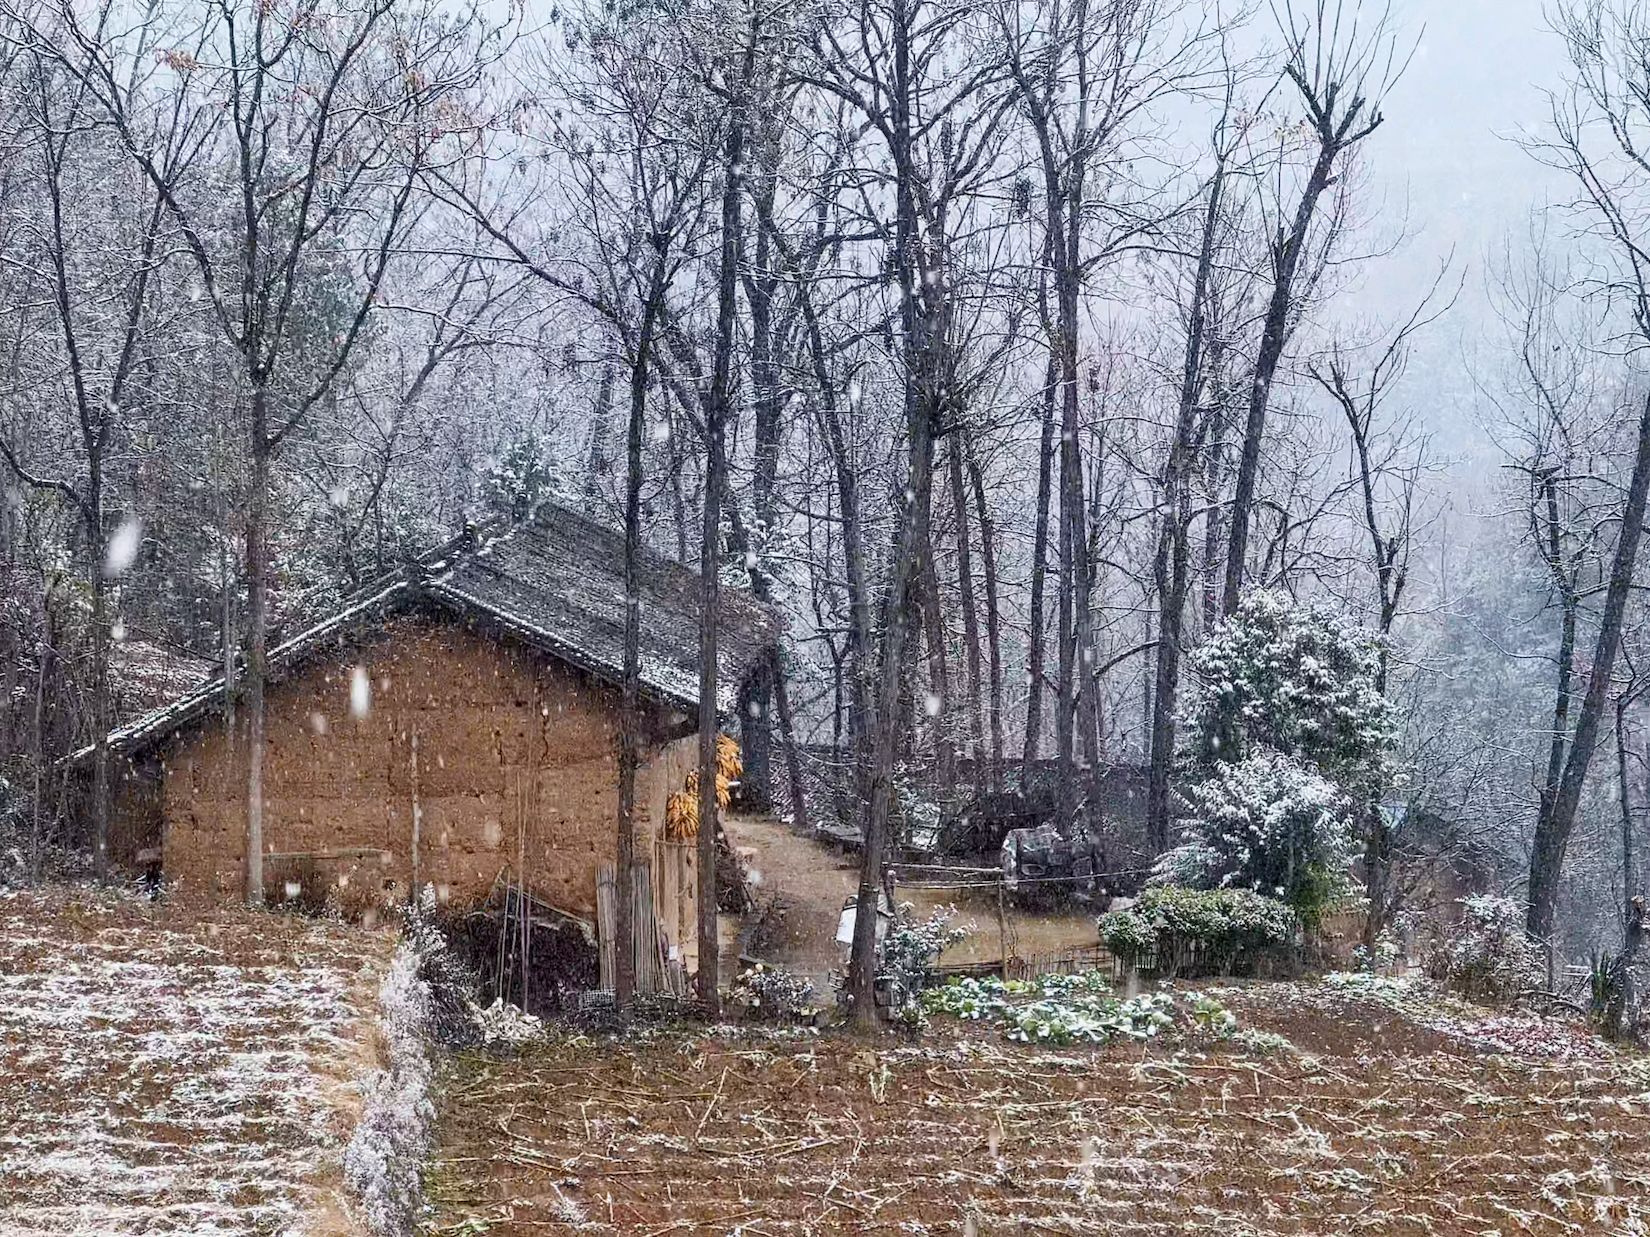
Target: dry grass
[1382,1118]
[176,1074]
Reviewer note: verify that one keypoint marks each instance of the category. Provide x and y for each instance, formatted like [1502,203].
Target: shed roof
[556,583]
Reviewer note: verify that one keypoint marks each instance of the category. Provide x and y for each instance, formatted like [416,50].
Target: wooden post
[1002,926]
[529,794]
[521,875]
[417,820]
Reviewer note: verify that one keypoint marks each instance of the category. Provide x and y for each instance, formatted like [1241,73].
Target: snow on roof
[556,583]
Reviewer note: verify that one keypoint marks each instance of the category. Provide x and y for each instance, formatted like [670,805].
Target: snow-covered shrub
[1190,930]
[911,947]
[428,997]
[503,1028]
[520,478]
[1269,824]
[1488,956]
[1388,952]
[1280,675]
[383,1163]
[772,992]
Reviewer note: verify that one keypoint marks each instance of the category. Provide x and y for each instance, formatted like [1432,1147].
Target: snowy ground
[165,1073]
[1347,1107]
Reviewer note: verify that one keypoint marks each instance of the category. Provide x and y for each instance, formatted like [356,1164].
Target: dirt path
[800,887]
[806,882]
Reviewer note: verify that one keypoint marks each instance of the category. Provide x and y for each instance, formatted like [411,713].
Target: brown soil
[1384,1131]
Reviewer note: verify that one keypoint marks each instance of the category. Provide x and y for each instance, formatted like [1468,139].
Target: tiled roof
[555,583]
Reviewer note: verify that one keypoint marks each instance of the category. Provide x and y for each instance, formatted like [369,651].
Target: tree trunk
[793,756]
[1171,567]
[970,610]
[756,722]
[100,671]
[938,708]
[598,467]
[993,633]
[257,594]
[1036,663]
[630,718]
[1073,576]
[1214,530]
[710,566]
[912,537]
[1280,314]
[1629,876]
[1552,832]
[37,829]
[226,587]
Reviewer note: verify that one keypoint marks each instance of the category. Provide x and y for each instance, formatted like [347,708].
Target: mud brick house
[456,721]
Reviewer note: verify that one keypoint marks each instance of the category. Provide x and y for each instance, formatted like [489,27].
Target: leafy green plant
[1071,1009]
[1289,744]
[1269,824]
[972,1000]
[912,947]
[1263,1042]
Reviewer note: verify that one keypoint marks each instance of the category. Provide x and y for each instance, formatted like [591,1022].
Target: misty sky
[1448,171]
[1445,157]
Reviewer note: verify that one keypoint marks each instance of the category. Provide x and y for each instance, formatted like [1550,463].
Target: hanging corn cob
[682,808]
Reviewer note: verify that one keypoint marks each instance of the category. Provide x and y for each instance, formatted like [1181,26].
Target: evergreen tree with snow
[1290,734]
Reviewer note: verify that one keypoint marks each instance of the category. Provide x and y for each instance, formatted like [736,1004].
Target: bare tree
[1608,95]
[322,163]
[98,255]
[1341,61]
[1387,462]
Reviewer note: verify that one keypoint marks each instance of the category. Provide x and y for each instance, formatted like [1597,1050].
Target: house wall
[509,757]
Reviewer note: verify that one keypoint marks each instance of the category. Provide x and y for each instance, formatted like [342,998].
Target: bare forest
[1010,352]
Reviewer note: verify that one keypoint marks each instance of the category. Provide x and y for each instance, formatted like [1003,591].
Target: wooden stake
[1002,927]
[521,878]
[417,819]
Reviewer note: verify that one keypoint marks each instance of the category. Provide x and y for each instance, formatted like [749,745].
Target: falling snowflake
[123,547]
[360,692]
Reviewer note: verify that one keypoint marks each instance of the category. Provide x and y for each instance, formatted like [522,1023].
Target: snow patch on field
[1428,1005]
[167,1077]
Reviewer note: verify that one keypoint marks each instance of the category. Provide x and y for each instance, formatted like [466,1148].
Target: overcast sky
[1446,157]
[1447,166]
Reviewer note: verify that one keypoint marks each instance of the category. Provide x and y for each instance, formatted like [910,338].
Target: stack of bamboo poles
[655,970]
